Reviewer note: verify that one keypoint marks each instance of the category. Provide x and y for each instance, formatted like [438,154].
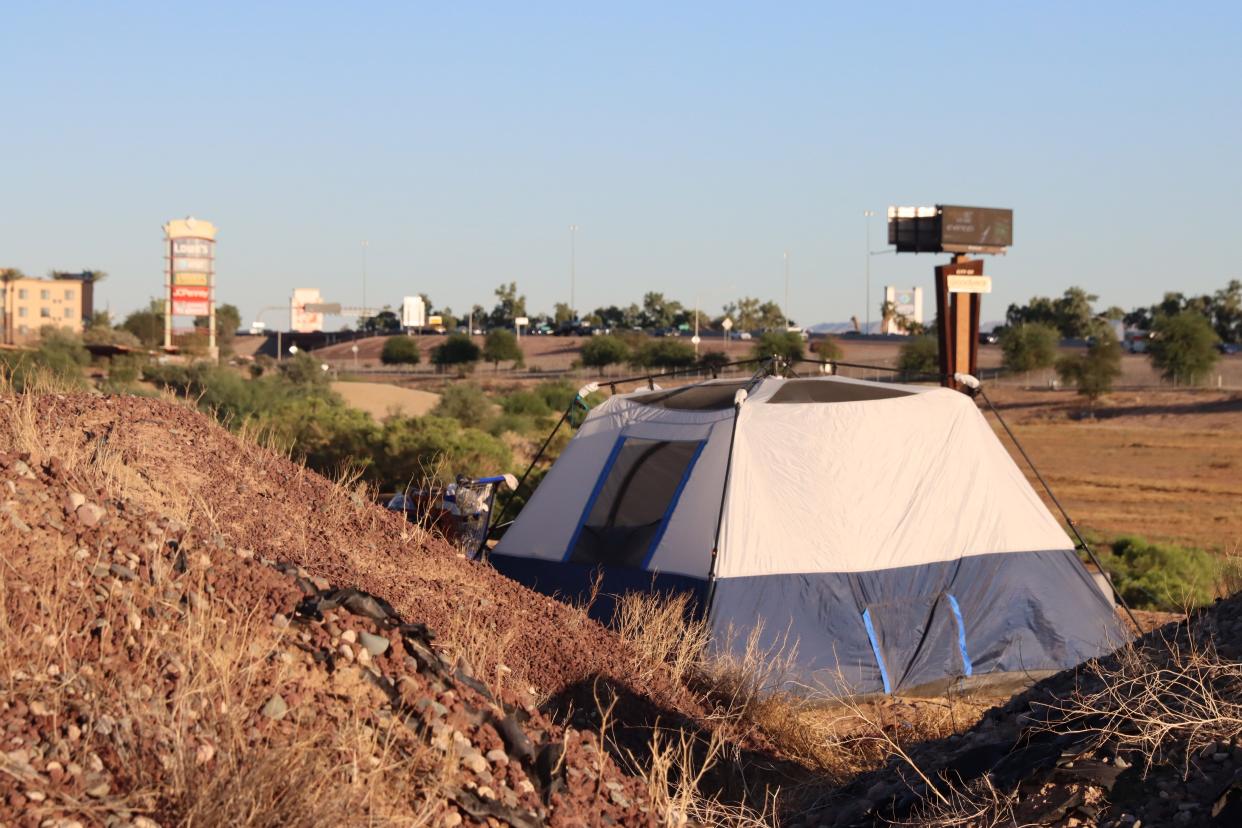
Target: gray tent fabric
[881,528]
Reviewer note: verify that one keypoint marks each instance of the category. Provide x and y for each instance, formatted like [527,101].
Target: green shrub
[521,424]
[827,349]
[663,352]
[400,350]
[919,355]
[413,449]
[304,369]
[714,360]
[1183,347]
[59,359]
[1162,576]
[602,351]
[1093,373]
[528,403]
[558,394]
[785,344]
[464,402]
[456,350]
[125,369]
[501,345]
[1029,347]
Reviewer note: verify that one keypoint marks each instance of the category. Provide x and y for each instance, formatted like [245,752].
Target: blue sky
[692,144]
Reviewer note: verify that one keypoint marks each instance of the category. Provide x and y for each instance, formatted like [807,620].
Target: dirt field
[379,399]
[1163,464]
[1159,462]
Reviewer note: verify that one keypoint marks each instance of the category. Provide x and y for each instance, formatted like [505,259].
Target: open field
[1160,462]
[379,399]
[1163,464]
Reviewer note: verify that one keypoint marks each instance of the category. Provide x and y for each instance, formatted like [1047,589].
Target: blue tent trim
[875,648]
[961,634]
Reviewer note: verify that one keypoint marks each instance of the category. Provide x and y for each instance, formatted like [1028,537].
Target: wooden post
[957,321]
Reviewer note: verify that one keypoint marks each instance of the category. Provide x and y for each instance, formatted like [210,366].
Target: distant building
[907,307]
[27,304]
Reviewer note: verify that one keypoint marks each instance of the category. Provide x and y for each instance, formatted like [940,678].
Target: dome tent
[882,527]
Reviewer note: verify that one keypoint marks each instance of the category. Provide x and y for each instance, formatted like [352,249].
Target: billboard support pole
[957,321]
[168,296]
[944,342]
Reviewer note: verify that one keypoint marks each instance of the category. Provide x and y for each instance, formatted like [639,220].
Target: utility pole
[867,214]
[573,267]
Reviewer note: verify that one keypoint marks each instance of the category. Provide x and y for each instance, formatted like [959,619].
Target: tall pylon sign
[190,277]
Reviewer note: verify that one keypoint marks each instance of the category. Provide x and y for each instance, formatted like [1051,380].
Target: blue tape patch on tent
[875,648]
[672,504]
[961,634]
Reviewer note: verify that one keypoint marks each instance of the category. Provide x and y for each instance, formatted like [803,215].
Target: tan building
[26,305]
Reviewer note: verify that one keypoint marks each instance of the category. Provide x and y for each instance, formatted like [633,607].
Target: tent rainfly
[881,527]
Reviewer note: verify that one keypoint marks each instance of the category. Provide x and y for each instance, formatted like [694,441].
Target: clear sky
[692,144]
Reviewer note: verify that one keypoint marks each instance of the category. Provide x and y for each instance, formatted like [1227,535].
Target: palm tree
[7,275]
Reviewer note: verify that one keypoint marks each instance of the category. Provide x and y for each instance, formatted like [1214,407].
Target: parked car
[1229,348]
[988,338]
[745,335]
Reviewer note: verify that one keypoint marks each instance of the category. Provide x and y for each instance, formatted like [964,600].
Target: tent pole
[500,513]
[738,399]
[1069,521]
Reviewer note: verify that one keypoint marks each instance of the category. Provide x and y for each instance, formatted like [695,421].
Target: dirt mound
[155,674]
[174,461]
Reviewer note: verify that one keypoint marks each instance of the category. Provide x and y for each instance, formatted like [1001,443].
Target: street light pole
[786,290]
[867,214]
[365,244]
[573,267]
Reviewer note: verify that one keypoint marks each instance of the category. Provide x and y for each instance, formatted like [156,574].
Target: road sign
[354,348]
[969,283]
[695,340]
[522,320]
[191,293]
[183,307]
[727,324]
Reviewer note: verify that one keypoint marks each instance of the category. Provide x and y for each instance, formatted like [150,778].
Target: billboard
[946,228]
[301,320]
[966,229]
[413,312]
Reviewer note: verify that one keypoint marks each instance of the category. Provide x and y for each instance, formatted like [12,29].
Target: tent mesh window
[831,391]
[708,396]
[633,501]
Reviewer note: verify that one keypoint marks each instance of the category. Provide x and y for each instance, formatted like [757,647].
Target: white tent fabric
[883,526]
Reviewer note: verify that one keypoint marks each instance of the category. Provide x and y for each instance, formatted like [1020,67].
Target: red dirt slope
[177,462]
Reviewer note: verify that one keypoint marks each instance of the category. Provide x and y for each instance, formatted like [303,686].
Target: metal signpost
[961,283]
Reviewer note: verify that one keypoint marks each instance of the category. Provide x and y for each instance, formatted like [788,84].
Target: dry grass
[1172,699]
[977,805]
[675,768]
[833,738]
